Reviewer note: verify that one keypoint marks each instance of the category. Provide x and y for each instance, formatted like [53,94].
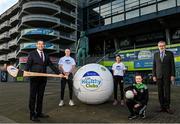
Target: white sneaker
[122,102]
[71,103]
[61,103]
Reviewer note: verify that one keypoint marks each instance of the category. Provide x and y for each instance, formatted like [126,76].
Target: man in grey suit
[164,74]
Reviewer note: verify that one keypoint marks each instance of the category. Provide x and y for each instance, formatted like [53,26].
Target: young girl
[118,69]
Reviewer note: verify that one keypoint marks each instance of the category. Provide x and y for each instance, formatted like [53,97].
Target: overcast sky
[6,4]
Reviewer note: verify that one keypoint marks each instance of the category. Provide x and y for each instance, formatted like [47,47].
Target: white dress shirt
[39,52]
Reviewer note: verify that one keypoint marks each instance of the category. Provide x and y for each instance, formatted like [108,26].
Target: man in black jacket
[38,61]
[163,74]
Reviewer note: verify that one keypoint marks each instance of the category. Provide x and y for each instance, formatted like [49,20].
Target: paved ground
[14,107]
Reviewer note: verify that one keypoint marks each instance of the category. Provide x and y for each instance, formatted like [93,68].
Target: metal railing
[14,18]
[41,18]
[68,12]
[73,2]
[4,35]
[68,35]
[3,46]
[12,43]
[67,23]
[3,57]
[11,55]
[5,24]
[13,30]
[41,4]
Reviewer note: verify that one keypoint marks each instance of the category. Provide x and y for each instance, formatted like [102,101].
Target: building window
[93,17]
[166,4]
[145,2]
[117,7]
[178,2]
[132,14]
[105,10]
[117,18]
[94,13]
[148,9]
[131,4]
[107,21]
[96,10]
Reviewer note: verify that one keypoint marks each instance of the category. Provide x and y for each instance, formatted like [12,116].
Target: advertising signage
[142,59]
[39,31]
[33,46]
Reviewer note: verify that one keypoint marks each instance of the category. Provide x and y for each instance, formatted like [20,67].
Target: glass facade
[178,2]
[148,9]
[111,11]
[117,7]
[166,4]
[132,14]
[117,18]
[105,10]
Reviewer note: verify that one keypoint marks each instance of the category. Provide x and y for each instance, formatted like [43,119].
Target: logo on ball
[91,80]
[129,94]
[13,69]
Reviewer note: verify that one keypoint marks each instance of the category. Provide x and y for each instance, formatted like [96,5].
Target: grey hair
[161,41]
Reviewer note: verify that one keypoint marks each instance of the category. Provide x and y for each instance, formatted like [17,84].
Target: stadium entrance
[136,43]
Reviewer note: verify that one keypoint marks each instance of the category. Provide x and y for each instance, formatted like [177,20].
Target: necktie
[42,56]
[162,56]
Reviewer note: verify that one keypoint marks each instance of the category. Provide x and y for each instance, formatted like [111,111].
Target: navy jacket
[35,63]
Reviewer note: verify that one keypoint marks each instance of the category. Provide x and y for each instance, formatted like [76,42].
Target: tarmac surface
[14,107]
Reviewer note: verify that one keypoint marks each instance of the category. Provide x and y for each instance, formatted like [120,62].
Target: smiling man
[164,74]
[67,66]
[38,61]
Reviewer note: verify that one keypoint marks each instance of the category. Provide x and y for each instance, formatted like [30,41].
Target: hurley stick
[13,71]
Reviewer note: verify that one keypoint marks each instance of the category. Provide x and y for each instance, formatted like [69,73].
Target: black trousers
[37,88]
[63,85]
[118,81]
[164,89]
[135,111]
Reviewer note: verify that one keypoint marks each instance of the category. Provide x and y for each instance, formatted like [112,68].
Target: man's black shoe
[35,119]
[43,115]
[161,110]
[132,117]
[169,111]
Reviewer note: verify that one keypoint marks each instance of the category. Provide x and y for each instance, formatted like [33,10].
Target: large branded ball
[129,94]
[93,84]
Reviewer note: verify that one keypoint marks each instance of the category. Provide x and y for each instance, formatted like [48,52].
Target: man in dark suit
[164,74]
[38,61]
